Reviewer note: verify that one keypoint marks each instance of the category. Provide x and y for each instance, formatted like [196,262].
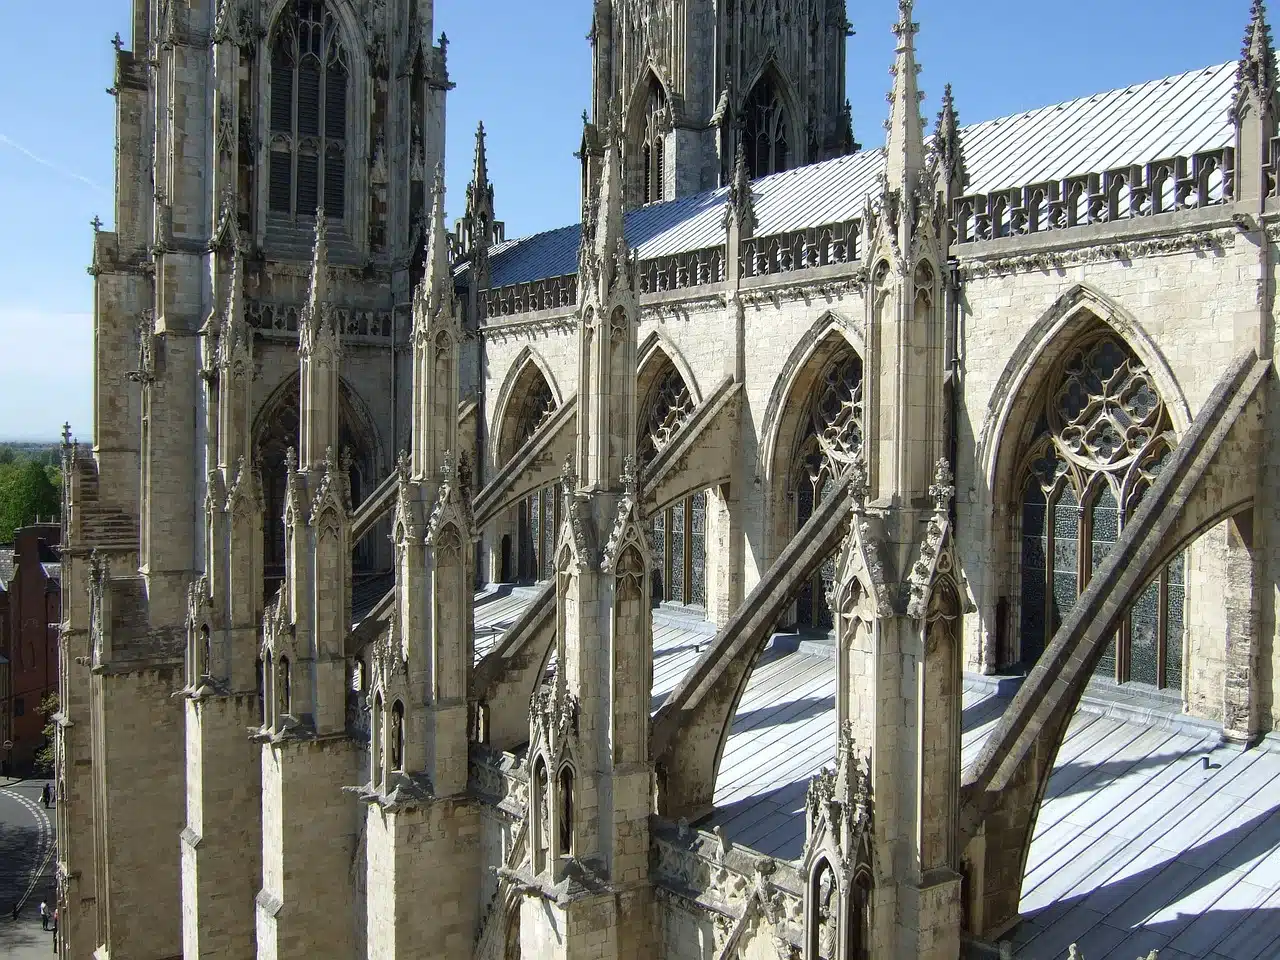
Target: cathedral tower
[693,79]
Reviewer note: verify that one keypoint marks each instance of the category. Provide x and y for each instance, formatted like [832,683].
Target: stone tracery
[1102,433]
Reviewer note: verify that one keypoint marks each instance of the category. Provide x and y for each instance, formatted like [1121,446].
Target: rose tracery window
[765,133]
[1102,435]
[310,75]
[830,438]
[679,533]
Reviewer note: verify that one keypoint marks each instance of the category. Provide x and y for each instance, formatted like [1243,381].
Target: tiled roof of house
[1176,116]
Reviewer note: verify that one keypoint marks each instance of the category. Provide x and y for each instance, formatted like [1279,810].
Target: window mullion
[1162,629]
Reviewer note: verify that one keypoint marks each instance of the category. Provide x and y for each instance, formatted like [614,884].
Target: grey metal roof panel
[1174,116]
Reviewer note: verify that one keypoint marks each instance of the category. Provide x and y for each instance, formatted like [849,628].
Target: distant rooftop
[1176,116]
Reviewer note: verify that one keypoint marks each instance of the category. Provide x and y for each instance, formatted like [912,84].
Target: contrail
[50,164]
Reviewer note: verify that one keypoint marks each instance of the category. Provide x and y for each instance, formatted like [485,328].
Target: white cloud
[46,374]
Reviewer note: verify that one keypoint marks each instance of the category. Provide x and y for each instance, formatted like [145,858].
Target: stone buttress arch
[514,388]
[655,347]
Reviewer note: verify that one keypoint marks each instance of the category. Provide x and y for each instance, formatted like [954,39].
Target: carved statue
[827,916]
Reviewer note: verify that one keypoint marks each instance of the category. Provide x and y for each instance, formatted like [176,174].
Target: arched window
[832,435]
[1101,436]
[261,687]
[375,741]
[310,76]
[541,826]
[285,687]
[654,145]
[206,653]
[679,532]
[860,917]
[397,736]
[538,514]
[566,812]
[764,130]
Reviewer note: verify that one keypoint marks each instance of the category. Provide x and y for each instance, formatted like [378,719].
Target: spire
[740,209]
[1256,72]
[436,288]
[946,143]
[905,126]
[480,171]
[609,238]
[318,289]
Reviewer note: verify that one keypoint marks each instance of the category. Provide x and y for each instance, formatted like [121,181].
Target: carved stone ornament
[576,531]
[860,564]
[404,523]
[628,528]
[333,496]
[233,23]
[838,810]
[452,504]
[553,724]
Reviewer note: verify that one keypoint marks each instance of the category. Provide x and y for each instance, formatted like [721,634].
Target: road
[26,869]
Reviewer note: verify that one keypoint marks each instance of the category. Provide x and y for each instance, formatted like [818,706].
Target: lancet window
[831,437]
[1102,436]
[766,137]
[538,516]
[310,80]
[679,533]
[654,146]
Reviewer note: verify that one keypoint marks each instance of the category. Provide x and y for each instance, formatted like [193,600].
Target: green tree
[44,755]
[26,494]
[6,454]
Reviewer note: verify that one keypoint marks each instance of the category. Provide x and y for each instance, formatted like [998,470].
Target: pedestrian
[44,915]
[45,795]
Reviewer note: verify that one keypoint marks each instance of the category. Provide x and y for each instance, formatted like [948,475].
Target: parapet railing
[1125,193]
[801,249]
[679,271]
[519,298]
[352,321]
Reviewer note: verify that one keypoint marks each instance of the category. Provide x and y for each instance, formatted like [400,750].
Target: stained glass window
[766,137]
[680,552]
[1102,428]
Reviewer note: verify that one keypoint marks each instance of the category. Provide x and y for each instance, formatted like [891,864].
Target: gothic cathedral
[720,577]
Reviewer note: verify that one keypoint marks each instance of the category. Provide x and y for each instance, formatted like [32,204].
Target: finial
[905,145]
[402,465]
[740,207]
[96,223]
[946,139]
[330,460]
[1256,72]
[117,42]
[66,434]
[291,460]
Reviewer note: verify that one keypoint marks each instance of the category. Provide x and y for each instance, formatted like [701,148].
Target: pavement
[26,869]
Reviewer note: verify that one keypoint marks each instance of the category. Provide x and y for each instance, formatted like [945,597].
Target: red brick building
[30,611]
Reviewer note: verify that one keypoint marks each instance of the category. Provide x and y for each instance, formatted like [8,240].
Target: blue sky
[523,66]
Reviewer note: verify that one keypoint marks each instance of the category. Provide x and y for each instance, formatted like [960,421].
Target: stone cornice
[1214,241]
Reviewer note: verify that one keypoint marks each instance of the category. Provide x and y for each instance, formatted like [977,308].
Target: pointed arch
[654,348]
[785,419]
[275,429]
[526,374]
[771,122]
[1088,415]
[1046,342]
[346,156]
[648,120]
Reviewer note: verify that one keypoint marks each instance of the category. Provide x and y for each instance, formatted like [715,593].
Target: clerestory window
[766,138]
[310,75]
